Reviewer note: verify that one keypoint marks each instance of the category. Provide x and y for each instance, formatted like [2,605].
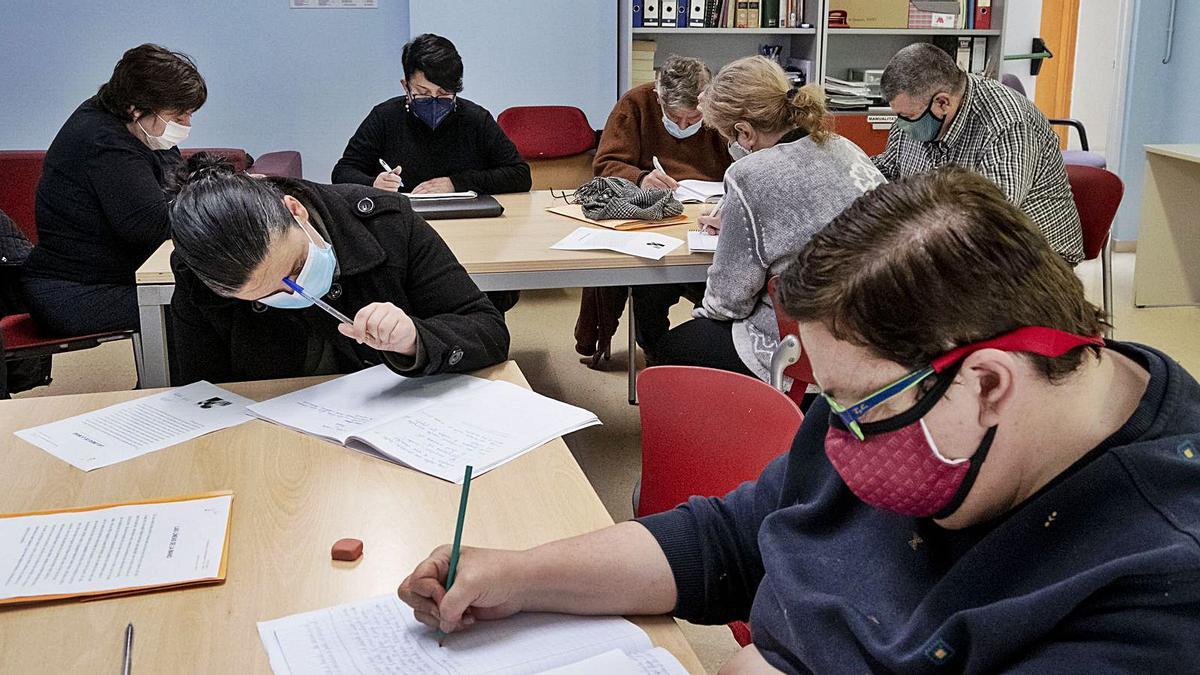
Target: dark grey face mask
[925,128]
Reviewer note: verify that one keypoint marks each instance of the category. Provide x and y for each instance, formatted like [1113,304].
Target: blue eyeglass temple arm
[850,416]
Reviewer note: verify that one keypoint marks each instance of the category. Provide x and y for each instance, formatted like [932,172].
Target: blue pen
[318,302]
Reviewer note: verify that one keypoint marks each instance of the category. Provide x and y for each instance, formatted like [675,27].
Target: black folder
[482,206]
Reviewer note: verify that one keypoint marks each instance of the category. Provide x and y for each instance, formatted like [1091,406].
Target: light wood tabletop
[293,497]
[518,241]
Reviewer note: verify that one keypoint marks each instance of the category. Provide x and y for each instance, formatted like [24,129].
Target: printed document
[436,425]
[641,244]
[113,549]
[134,428]
[380,635]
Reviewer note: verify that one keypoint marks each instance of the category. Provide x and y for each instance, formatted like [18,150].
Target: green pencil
[458,530]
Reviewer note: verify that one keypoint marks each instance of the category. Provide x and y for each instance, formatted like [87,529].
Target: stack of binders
[717,13]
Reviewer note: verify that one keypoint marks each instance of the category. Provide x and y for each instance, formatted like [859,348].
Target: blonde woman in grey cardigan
[791,176]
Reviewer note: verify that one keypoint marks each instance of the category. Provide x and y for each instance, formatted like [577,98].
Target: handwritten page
[113,548]
[134,428]
[657,661]
[651,245]
[691,191]
[380,635]
[699,242]
[484,428]
[340,408]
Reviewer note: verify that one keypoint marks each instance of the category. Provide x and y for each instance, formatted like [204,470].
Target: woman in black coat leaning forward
[361,250]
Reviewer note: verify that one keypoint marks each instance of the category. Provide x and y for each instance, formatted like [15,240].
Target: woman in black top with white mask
[101,210]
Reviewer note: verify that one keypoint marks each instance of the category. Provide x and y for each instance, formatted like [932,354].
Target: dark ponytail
[223,221]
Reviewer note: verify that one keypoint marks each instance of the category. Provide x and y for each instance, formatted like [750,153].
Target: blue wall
[530,52]
[1161,101]
[278,78]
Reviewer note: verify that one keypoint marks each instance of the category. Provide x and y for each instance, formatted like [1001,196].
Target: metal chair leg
[632,353]
[1106,283]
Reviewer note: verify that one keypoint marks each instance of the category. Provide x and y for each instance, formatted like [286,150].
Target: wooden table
[508,253]
[293,497]
[1168,250]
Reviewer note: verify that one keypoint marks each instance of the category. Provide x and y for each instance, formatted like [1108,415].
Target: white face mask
[173,134]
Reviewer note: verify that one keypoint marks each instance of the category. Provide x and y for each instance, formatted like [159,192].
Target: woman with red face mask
[985,484]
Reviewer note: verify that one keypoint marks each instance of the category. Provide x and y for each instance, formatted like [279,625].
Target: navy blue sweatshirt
[468,147]
[101,210]
[1099,571]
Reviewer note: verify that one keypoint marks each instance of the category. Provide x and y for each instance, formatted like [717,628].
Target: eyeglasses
[852,415]
[1030,339]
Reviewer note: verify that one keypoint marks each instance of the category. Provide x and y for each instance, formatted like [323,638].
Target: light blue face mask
[316,277]
[674,130]
[925,128]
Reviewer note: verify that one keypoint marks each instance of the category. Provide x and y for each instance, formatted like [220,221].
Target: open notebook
[576,211]
[436,424]
[380,635]
[699,191]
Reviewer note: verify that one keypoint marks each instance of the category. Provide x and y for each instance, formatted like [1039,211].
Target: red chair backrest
[548,131]
[20,171]
[705,431]
[1097,195]
[801,370]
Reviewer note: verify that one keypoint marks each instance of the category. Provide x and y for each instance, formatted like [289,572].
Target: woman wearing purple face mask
[985,486]
[101,207]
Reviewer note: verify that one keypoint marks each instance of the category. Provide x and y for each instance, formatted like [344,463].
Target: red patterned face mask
[894,464]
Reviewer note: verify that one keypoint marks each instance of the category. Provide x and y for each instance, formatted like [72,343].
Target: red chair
[704,432]
[556,140]
[20,171]
[789,359]
[1097,194]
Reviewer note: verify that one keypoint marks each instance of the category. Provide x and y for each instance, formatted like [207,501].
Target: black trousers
[701,342]
[68,308]
[651,307]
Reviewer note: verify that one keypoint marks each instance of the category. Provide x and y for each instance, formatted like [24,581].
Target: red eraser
[347,549]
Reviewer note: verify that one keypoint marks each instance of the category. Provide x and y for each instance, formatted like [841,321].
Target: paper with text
[112,549]
[694,191]
[650,245]
[340,408]
[484,428]
[657,661]
[380,635]
[699,242]
[134,428]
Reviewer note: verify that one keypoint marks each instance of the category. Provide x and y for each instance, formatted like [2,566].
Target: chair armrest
[1068,122]
[786,354]
[282,163]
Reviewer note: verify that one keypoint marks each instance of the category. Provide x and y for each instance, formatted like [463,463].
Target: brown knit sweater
[634,135]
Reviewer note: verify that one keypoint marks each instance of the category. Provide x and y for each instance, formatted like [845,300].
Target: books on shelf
[642,62]
[748,14]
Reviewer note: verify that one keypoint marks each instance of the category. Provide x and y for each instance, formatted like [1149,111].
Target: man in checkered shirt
[945,116]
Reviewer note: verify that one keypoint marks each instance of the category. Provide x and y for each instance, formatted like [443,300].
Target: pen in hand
[391,170]
[457,545]
[329,309]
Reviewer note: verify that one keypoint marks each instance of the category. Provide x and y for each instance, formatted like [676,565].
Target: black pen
[127,668]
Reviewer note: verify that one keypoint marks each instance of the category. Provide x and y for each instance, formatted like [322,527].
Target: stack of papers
[699,191]
[699,242]
[641,244]
[436,425]
[115,549]
[843,94]
[127,430]
[469,194]
[380,635]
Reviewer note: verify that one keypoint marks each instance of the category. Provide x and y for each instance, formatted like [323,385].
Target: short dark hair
[920,70]
[223,222]
[436,57]
[917,267]
[150,78]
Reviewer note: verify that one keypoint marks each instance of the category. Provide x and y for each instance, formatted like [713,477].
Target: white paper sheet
[340,408]
[134,428]
[111,549]
[641,244]
[699,242]
[380,635]
[657,661]
[690,191]
[434,196]
[484,428]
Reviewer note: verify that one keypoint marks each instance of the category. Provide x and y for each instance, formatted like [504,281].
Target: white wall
[1022,23]
[278,78]
[1094,89]
[530,52]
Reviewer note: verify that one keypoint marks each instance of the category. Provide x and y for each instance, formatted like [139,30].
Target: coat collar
[344,211]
